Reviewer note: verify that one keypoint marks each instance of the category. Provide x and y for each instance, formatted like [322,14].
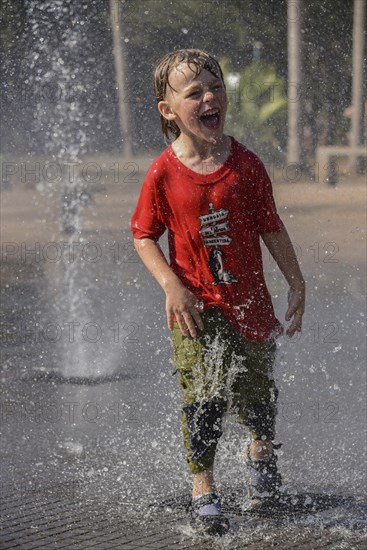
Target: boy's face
[197,103]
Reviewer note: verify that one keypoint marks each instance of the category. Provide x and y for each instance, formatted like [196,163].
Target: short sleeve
[266,216]
[147,221]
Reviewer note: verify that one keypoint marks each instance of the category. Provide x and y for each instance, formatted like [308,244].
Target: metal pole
[294,80]
[118,55]
[359,16]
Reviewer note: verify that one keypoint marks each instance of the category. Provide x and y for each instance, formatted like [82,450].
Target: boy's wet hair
[198,60]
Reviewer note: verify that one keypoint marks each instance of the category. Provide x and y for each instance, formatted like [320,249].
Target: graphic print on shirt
[211,226]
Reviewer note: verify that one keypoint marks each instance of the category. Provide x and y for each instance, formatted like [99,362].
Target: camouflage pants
[219,371]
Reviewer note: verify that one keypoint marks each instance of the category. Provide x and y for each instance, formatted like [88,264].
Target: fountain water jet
[59,70]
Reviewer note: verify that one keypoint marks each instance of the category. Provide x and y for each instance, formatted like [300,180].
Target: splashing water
[154,448]
[58,60]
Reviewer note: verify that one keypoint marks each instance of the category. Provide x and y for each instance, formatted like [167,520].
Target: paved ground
[91,452]
[63,521]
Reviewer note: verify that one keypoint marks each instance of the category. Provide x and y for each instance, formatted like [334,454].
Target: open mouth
[211,119]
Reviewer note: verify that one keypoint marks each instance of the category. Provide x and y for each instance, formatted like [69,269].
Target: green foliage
[257,111]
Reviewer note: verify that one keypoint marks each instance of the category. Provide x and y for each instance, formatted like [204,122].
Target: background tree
[294,20]
[120,70]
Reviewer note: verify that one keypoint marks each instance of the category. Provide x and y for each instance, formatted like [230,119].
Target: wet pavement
[66,521]
[91,453]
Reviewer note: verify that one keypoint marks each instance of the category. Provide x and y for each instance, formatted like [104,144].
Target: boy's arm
[179,300]
[281,248]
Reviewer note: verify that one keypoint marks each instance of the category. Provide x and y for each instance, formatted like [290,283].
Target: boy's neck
[196,150]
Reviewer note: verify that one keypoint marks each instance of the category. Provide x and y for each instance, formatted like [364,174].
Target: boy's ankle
[203,483]
[260,449]
[198,493]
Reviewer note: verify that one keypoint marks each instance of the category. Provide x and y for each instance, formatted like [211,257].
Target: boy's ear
[166,111]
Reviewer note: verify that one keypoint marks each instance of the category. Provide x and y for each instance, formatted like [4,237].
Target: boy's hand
[296,308]
[185,306]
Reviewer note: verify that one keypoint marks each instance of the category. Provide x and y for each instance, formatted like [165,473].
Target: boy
[215,198]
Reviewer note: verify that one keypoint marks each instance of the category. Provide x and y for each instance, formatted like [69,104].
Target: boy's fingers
[189,325]
[293,307]
[186,324]
[296,324]
[170,320]
[292,330]
[188,320]
[291,333]
[290,312]
[198,320]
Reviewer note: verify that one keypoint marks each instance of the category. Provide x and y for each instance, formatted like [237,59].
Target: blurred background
[251,38]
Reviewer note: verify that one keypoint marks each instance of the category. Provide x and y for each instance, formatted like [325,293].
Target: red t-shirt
[214,223]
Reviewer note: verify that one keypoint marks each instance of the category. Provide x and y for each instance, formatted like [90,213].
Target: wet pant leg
[219,371]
